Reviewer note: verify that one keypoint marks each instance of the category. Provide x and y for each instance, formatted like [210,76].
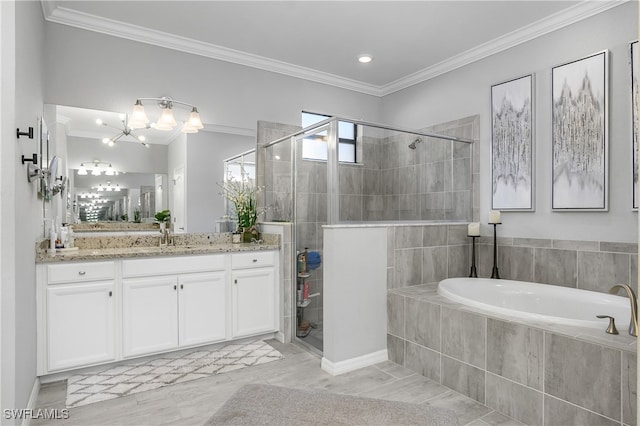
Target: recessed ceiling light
[365,59]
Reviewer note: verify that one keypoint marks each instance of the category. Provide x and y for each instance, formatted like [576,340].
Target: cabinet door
[80,324]
[253,295]
[202,307]
[149,315]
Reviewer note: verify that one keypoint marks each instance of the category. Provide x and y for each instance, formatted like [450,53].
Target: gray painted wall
[22,68]
[467,91]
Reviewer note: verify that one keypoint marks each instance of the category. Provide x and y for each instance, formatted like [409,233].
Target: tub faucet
[633,324]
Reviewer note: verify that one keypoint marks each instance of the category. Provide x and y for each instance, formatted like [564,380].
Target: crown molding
[61,15]
[566,17]
[229,130]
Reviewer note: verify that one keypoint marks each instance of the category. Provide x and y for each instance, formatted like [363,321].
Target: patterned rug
[127,379]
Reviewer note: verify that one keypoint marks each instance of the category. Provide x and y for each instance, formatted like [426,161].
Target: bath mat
[126,379]
[257,404]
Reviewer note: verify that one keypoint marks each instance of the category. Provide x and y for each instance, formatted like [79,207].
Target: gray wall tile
[408,263]
[434,264]
[515,263]
[554,266]
[463,336]
[619,247]
[600,271]
[422,360]
[458,235]
[581,373]
[515,351]
[459,261]
[464,378]
[461,174]
[532,242]
[408,236]
[576,245]
[557,412]
[434,235]
[629,388]
[519,402]
[422,323]
[395,349]
[395,314]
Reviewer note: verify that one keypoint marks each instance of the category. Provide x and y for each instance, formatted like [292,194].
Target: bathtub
[542,303]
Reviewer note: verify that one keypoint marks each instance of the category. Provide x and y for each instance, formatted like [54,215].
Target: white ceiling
[411,41]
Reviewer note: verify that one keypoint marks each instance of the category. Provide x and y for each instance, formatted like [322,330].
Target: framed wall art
[633,56]
[579,134]
[512,145]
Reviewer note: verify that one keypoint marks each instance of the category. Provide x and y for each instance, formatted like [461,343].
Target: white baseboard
[33,400]
[341,367]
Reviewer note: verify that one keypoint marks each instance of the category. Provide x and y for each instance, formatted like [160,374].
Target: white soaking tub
[549,304]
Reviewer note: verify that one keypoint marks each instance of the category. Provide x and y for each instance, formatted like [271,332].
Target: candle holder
[473,273]
[494,272]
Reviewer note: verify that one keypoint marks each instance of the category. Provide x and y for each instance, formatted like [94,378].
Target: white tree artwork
[579,134]
[512,144]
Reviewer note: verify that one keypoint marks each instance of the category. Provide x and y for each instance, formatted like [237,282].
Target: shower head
[413,144]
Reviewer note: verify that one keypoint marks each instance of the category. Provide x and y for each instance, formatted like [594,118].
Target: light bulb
[82,170]
[95,171]
[139,119]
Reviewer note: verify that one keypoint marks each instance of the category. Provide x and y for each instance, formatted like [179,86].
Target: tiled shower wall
[391,181]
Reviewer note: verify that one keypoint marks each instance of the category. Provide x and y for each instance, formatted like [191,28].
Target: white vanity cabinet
[80,314]
[97,312]
[164,312]
[253,293]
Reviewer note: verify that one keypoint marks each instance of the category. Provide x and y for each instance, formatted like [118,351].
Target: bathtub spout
[633,324]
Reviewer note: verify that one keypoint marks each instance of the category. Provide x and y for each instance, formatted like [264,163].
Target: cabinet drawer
[172,265]
[254,259]
[75,272]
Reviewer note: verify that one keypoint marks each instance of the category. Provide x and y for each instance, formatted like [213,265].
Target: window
[314,147]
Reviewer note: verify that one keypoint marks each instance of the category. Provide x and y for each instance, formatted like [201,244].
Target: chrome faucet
[633,324]
[166,238]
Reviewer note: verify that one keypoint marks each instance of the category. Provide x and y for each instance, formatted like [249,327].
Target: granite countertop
[105,247]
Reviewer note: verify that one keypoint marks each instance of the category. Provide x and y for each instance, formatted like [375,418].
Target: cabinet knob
[110,293]
[81,272]
[235,281]
[175,287]
[181,286]
[255,260]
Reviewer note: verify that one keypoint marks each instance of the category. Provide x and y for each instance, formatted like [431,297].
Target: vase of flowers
[242,193]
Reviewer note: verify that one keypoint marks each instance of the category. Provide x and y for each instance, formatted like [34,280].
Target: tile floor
[192,403]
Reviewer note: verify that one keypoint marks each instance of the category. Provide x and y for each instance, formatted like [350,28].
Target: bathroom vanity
[101,305]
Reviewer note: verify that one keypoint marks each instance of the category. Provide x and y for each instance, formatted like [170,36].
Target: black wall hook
[29,133]
[33,160]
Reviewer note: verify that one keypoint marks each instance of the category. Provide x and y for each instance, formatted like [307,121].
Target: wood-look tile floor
[192,403]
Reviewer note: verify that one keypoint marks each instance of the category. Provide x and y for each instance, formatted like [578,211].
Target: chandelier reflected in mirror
[125,130]
[166,121]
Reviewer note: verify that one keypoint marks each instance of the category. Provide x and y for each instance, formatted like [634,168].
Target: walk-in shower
[386,183]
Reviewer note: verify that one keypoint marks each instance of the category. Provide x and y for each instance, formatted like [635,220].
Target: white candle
[494,216]
[473,229]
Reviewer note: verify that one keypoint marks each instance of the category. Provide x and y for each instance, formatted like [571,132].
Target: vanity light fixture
[126,130]
[166,121]
[98,168]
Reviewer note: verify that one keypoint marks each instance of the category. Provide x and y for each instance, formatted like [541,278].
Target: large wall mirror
[113,174]
[119,176]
